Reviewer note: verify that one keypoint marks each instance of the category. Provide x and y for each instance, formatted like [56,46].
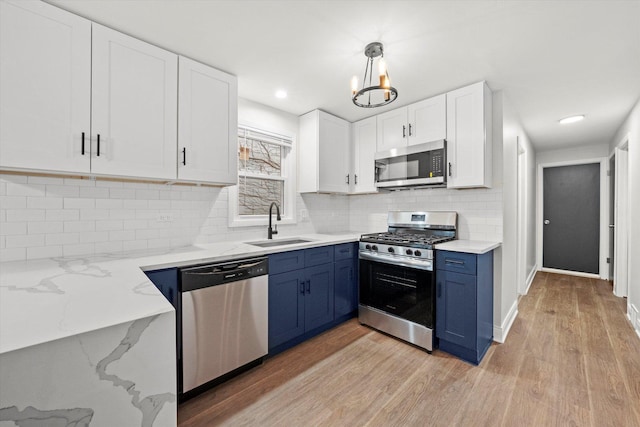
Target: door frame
[603,268]
[621,231]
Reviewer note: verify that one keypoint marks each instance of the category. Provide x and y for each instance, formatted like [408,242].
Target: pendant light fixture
[373,95]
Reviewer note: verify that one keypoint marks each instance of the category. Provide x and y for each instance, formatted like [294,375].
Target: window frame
[288,176]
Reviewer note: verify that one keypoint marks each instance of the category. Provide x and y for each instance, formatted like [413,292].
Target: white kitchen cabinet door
[323,154]
[392,129]
[364,150]
[45,87]
[207,124]
[427,120]
[134,107]
[469,137]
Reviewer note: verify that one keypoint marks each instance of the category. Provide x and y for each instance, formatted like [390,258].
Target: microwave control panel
[437,163]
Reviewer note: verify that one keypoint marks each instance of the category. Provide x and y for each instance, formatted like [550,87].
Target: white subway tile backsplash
[79,249]
[122,193]
[94,236]
[13,228]
[13,202]
[122,235]
[79,226]
[24,241]
[62,238]
[44,203]
[108,225]
[34,190]
[16,215]
[94,192]
[93,214]
[13,254]
[63,190]
[44,252]
[62,215]
[45,227]
[78,203]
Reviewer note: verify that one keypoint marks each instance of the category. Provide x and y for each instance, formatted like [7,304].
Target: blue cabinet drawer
[317,256]
[458,262]
[345,251]
[286,261]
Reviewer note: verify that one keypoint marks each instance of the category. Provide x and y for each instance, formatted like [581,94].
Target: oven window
[401,291]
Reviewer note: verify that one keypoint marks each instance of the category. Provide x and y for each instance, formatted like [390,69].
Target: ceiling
[552,59]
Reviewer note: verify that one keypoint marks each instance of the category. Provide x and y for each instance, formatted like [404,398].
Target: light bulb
[354,85]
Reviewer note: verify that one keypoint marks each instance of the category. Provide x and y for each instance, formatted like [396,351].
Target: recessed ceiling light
[571,119]
[281,94]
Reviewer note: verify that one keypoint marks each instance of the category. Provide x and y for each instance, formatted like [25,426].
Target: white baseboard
[530,277]
[570,273]
[500,332]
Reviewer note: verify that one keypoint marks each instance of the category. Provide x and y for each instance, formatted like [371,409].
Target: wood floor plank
[571,359]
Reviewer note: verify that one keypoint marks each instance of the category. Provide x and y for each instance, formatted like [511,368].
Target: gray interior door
[571,230]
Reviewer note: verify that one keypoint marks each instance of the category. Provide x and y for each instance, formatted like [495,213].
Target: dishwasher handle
[203,276]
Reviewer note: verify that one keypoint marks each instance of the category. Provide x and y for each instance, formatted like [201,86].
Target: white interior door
[621,249]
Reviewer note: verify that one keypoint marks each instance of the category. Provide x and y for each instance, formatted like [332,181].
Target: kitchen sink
[278,242]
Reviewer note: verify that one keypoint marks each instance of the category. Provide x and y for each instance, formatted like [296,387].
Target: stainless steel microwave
[412,166]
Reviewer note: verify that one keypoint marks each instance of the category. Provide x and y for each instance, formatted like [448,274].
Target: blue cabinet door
[286,306]
[456,308]
[346,287]
[319,295]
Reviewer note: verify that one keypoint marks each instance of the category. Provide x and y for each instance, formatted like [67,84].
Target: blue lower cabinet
[464,304]
[303,301]
[318,299]
[346,286]
[286,306]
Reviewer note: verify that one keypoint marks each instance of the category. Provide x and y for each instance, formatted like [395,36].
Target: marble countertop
[468,246]
[48,299]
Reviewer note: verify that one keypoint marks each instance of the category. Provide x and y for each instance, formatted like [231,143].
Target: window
[264,175]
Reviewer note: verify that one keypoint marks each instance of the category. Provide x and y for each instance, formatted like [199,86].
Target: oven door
[405,292]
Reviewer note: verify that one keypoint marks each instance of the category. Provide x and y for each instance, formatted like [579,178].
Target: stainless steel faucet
[272,231]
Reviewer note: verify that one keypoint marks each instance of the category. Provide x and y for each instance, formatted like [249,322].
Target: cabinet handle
[453,261]
[184,156]
[355,178]
[83,143]
[302,287]
[439,289]
[98,153]
[449,168]
[410,129]
[308,286]
[347,178]
[404,131]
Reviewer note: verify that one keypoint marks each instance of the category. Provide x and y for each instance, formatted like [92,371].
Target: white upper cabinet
[392,129]
[45,88]
[207,124]
[364,134]
[469,141]
[134,107]
[427,120]
[424,121]
[323,154]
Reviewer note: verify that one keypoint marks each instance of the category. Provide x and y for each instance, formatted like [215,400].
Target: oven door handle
[420,265]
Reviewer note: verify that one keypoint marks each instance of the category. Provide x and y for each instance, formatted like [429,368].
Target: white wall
[631,127]
[44,217]
[575,153]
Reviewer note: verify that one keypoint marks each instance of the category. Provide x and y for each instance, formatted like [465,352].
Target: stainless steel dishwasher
[224,319]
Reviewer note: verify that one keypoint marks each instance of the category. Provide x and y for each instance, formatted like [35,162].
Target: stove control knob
[374,248]
[390,250]
[417,253]
[367,247]
[409,252]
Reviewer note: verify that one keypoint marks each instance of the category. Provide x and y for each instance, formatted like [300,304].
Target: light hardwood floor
[571,359]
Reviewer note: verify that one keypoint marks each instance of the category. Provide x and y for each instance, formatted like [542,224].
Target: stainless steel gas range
[397,278]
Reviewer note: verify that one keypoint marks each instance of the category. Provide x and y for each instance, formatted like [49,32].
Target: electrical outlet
[165,217]
[304,215]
